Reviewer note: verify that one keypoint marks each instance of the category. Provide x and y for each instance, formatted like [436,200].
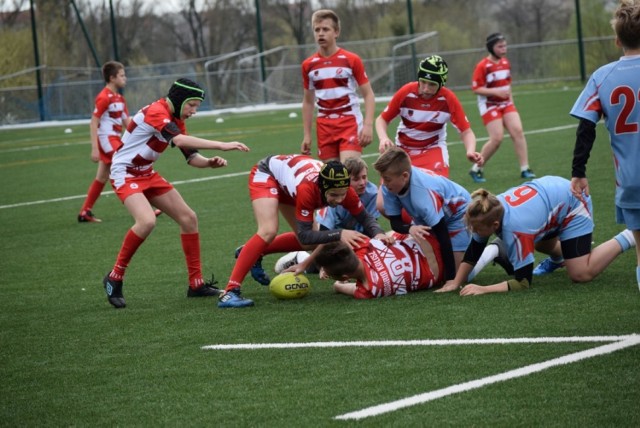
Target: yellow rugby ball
[290,286]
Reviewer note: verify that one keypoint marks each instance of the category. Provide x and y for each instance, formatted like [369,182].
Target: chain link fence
[248,77]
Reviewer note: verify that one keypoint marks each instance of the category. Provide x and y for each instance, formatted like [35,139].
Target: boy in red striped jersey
[330,78]
[110,116]
[492,83]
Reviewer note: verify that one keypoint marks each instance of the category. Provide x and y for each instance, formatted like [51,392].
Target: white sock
[475,167]
[490,252]
[523,168]
[625,239]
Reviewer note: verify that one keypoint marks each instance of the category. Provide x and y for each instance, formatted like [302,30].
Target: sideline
[238,174]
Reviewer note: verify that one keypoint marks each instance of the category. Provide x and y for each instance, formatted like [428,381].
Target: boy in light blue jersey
[338,217]
[539,215]
[435,203]
[613,93]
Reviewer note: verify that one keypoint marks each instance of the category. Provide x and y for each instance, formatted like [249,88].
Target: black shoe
[208,289]
[114,292]
[87,216]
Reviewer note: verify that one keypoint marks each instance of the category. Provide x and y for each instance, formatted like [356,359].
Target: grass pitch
[68,358]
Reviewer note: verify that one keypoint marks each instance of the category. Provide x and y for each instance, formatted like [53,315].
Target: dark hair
[337,259]
[111,69]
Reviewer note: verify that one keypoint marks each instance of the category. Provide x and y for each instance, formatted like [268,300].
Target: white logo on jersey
[305,213]
[273,191]
[133,186]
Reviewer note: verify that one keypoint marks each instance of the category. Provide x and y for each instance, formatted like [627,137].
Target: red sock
[191,249]
[251,252]
[129,247]
[284,243]
[92,195]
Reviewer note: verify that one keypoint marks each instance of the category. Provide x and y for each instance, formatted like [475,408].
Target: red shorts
[495,112]
[336,135]
[107,146]
[432,159]
[150,185]
[263,185]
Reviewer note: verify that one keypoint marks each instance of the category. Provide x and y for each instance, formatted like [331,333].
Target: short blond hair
[322,14]
[626,23]
[393,161]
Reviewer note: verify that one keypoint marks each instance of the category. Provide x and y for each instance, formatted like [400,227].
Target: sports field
[560,354]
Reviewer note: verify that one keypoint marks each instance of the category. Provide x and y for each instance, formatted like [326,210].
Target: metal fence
[248,77]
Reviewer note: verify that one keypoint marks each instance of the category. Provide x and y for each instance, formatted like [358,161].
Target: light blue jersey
[537,210]
[613,92]
[339,218]
[430,198]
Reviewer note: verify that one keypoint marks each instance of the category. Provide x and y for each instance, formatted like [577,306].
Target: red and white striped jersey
[297,177]
[111,109]
[394,269]
[335,80]
[489,74]
[423,122]
[143,141]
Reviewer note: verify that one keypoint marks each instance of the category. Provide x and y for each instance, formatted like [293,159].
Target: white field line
[217,177]
[478,383]
[428,342]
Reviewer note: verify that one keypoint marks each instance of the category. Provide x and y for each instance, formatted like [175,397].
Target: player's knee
[581,275]
[267,234]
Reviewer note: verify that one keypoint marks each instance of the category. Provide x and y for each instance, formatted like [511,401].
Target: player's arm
[369,224]
[521,281]
[366,135]
[585,137]
[93,132]
[308,99]
[308,236]
[469,142]
[381,130]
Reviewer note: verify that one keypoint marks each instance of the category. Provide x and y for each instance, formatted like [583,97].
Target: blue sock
[625,239]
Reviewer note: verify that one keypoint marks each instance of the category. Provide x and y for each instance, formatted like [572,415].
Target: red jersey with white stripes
[297,176]
[490,74]
[423,122]
[395,269]
[335,80]
[143,142]
[111,109]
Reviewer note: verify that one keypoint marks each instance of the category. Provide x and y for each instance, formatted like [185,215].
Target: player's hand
[579,186]
[387,239]
[323,274]
[352,237]
[95,155]
[235,145]
[475,157]
[217,162]
[366,135]
[305,147]
[473,290]
[384,145]
[419,232]
[447,287]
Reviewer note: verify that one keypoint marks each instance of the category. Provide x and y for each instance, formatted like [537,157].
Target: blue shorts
[629,217]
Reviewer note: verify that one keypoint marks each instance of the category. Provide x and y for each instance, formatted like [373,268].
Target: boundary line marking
[617,343]
[237,174]
[478,383]
[427,342]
